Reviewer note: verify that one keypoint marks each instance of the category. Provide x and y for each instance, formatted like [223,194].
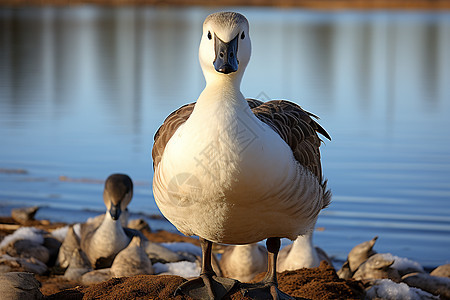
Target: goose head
[117,194]
[225,46]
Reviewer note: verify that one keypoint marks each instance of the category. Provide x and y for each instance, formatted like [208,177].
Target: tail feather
[327,195]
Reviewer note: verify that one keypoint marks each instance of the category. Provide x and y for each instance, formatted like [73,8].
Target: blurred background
[84,88]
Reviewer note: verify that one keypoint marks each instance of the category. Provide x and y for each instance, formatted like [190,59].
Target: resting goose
[361,253]
[132,260]
[377,267]
[301,254]
[102,242]
[243,262]
[237,171]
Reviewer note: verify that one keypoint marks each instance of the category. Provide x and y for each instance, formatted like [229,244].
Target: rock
[9,264]
[19,286]
[78,266]
[432,284]
[5,269]
[24,215]
[159,253]
[27,249]
[71,242]
[33,265]
[187,256]
[386,289]
[377,267]
[360,253]
[96,276]
[53,245]
[24,233]
[442,271]
[30,264]
[132,261]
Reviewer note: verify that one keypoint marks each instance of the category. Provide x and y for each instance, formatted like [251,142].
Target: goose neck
[224,92]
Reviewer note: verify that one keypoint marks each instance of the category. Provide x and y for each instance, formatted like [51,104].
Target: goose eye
[209,35]
[242,35]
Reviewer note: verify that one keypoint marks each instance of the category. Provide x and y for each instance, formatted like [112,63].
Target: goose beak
[226,55]
[115,211]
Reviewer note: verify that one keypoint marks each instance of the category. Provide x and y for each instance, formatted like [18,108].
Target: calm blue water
[83,90]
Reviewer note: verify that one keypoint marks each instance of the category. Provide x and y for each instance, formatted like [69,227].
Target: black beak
[115,211]
[226,55]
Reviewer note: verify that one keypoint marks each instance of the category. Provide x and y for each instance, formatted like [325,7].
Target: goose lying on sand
[244,262]
[237,171]
[78,265]
[360,253]
[377,267]
[301,254]
[129,262]
[356,257]
[132,260]
[70,244]
[102,242]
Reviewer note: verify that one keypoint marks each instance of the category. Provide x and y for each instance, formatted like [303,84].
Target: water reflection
[123,54]
[82,91]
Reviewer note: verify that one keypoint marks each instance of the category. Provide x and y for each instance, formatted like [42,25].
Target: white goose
[301,254]
[237,171]
[101,242]
[243,262]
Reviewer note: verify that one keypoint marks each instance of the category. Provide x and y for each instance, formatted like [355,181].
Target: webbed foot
[263,290]
[268,287]
[207,287]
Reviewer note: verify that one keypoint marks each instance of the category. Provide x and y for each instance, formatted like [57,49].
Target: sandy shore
[35,245]
[314,283]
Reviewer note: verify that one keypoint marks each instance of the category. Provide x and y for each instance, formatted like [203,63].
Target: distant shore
[305,4]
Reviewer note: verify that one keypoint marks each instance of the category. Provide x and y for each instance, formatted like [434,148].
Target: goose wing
[167,129]
[294,125]
[297,128]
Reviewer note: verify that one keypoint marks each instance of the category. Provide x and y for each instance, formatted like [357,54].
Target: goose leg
[268,287]
[207,286]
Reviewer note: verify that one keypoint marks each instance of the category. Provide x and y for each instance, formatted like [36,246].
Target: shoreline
[322,282]
[158,223]
[53,285]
